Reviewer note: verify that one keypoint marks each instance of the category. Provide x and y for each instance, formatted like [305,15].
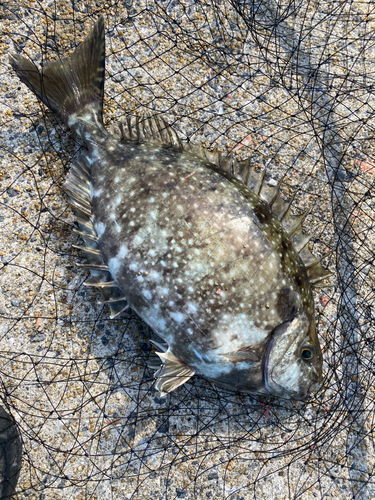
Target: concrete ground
[291,87]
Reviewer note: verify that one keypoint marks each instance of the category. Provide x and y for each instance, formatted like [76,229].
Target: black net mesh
[289,84]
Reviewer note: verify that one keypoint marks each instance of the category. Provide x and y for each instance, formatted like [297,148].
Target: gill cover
[292,362]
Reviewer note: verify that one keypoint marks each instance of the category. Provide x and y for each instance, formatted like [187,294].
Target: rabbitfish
[200,246]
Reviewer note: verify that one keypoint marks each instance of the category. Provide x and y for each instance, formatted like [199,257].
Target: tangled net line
[289,84]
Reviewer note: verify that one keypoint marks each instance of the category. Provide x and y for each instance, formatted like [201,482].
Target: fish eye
[307,352]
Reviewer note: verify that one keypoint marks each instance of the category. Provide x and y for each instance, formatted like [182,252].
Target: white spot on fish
[72,120]
[115,263]
[162,291]
[191,308]
[177,316]
[99,228]
[133,266]
[154,276]
[147,294]
[242,333]
[95,193]
[137,241]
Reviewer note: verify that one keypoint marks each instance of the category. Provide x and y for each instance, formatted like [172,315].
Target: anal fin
[77,187]
[172,373]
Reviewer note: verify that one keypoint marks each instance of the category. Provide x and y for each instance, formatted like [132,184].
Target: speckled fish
[200,246]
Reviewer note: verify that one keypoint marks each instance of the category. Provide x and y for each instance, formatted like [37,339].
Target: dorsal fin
[316,273]
[299,239]
[147,128]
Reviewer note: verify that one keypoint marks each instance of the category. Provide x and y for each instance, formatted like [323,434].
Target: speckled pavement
[80,385]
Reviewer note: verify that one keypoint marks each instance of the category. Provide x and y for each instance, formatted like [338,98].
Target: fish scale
[205,251]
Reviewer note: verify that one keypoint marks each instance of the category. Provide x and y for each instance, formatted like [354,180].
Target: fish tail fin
[70,84]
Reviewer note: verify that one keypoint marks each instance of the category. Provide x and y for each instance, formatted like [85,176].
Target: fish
[205,251]
[10,455]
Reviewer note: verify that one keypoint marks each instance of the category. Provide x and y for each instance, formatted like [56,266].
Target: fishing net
[288,84]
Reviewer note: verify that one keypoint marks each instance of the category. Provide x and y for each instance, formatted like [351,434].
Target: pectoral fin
[172,373]
[242,355]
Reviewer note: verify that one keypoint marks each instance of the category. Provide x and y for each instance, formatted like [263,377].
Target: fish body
[194,250]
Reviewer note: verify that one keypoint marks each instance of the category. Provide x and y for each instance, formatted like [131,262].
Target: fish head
[292,364]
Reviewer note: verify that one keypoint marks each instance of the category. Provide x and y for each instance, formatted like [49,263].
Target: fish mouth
[314,386]
[308,394]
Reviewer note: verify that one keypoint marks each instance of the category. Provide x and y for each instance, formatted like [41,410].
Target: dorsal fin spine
[298,219]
